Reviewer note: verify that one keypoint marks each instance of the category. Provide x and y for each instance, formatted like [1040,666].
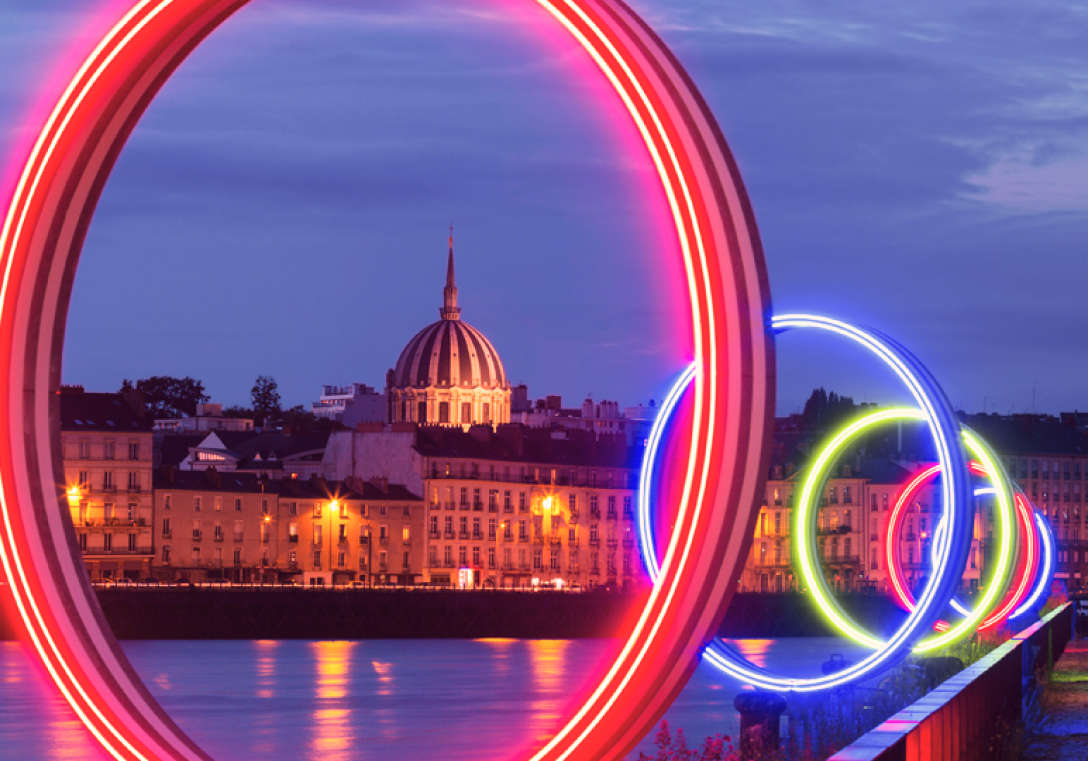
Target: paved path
[1063,734]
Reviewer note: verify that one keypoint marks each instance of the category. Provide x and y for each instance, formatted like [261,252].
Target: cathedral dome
[449,373]
[449,353]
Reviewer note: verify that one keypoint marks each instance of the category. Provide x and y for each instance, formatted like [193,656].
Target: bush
[669,748]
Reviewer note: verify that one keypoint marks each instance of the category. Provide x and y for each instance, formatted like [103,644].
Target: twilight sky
[283,207]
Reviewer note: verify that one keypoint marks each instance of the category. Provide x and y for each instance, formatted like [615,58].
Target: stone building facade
[247,529]
[106,446]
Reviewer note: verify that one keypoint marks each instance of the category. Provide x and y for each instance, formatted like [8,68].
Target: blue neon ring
[943,424]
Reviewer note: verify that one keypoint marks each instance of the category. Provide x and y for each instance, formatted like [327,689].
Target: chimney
[381,482]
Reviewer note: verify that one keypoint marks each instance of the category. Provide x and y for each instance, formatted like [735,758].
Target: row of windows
[507,528]
[542,501]
[528,472]
[109,450]
[465,559]
[108,543]
[316,558]
[216,503]
[110,481]
[1044,469]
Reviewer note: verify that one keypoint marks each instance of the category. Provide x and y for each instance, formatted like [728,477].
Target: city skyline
[908,169]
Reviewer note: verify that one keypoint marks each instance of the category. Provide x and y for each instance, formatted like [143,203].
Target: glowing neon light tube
[40,242]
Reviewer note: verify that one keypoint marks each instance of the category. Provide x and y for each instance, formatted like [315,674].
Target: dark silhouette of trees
[167,397]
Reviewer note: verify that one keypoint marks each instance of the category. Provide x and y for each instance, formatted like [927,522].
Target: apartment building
[106,447]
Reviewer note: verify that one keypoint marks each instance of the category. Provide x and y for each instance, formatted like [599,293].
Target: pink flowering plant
[675,748]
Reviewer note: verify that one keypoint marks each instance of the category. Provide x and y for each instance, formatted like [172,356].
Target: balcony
[612,515]
[573,569]
[478,506]
[449,534]
[492,508]
[114,551]
[383,541]
[197,534]
[266,538]
[595,513]
[167,534]
[477,536]
[464,505]
[135,490]
[218,537]
[628,544]
[538,540]
[435,535]
[595,570]
[594,542]
[628,515]
[364,540]
[555,541]
[463,536]
[238,536]
[292,538]
[612,544]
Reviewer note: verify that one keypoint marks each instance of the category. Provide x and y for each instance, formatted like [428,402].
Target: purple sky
[283,207]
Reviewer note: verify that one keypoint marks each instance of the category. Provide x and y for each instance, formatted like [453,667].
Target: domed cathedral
[449,373]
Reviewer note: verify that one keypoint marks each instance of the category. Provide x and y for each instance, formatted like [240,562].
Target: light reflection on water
[381,700]
[333,728]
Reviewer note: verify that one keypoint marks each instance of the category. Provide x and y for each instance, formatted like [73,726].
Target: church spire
[450,310]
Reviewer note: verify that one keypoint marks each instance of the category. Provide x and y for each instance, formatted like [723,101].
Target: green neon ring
[804,530]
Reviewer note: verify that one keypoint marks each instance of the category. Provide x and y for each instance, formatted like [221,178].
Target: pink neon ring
[1026,564]
[727,282]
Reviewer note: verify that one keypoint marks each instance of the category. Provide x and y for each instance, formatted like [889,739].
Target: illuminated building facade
[449,373]
[852,526]
[106,445]
[246,529]
[518,506]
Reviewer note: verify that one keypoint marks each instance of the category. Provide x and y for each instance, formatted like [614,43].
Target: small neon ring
[1026,565]
[1046,570]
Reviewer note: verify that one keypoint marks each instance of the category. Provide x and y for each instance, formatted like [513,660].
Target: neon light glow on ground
[726,461]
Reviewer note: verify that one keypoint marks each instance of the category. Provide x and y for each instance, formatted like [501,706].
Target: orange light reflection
[546,666]
[333,738]
[755,650]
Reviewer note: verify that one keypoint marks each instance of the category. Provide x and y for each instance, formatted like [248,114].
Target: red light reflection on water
[46,711]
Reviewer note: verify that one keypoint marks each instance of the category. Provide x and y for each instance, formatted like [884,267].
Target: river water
[378,700]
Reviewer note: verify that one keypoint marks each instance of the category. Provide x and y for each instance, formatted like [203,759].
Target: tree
[824,410]
[265,396]
[237,411]
[168,397]
[301,420]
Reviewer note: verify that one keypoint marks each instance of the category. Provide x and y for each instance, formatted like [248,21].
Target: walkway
[1063,733]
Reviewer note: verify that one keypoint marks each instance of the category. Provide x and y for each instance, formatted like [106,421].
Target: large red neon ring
[727,281]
